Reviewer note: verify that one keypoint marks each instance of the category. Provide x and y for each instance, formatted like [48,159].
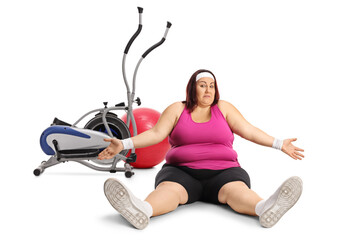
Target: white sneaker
[131,208]
[280,202]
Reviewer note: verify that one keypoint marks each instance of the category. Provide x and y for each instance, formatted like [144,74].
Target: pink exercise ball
[148,157]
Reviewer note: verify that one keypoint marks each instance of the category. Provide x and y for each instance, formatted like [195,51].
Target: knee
[230,189]
[177,189]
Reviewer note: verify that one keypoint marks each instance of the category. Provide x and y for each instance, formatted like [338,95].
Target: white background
[290,67]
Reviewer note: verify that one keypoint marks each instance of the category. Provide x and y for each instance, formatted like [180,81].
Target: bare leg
[239,197]
[166,197]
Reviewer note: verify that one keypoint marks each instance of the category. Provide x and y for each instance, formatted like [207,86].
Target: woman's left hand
[291,150]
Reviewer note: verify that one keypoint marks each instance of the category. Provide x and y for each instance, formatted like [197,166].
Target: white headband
[204,74]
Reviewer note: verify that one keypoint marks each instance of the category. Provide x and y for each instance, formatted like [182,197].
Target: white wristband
[277,144]
[127,143]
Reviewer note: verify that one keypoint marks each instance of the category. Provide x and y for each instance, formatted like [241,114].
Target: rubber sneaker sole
[119,198]
[290,193]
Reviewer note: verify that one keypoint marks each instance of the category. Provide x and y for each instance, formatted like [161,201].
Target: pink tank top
[205,145]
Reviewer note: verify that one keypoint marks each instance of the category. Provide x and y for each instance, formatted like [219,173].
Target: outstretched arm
[240,126]
[159,132]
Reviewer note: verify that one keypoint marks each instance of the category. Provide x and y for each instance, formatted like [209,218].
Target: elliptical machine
[66,142]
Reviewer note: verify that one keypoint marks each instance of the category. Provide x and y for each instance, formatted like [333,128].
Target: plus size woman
[202,164]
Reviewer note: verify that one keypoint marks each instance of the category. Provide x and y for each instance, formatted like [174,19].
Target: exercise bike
[66,142]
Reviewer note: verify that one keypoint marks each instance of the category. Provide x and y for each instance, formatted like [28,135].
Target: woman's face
[205,91]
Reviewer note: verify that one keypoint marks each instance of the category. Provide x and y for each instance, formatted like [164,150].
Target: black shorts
[201,184]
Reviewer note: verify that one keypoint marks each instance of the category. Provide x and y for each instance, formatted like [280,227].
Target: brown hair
[191,100]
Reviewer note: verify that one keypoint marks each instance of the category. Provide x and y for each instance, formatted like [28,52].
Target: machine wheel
[37,172]
[117,127]
[129,174]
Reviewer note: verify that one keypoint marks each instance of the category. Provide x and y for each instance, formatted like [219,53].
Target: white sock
[264,205]
[148,209]
[144,205]
[259,209]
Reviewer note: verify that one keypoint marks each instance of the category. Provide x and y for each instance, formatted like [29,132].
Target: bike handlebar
[168,25]
[140,10]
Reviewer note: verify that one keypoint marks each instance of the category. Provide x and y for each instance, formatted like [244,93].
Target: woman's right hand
[114,148]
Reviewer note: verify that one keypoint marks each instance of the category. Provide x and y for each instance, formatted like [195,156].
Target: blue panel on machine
[60,130]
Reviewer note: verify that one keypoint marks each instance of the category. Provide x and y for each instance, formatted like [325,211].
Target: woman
[201,164]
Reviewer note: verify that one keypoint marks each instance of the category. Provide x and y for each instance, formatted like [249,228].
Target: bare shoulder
[224,104]
[175,108]
[226,107]
[173,112]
